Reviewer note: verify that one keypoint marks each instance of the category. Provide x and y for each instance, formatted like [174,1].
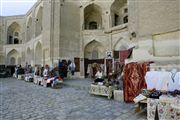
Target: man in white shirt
[99,76]
[72,67]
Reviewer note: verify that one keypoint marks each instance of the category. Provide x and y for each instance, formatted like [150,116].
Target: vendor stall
[165,108]
[162,95]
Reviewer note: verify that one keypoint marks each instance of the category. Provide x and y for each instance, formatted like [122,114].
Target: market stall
[162,95]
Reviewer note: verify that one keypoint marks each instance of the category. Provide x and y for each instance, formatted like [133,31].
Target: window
[16,41]
[16,34]
[125,10]
[93,25]
[125,19]
[116,19]
[10,40]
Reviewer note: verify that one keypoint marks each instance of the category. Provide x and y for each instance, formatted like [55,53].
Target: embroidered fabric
[164,109]
[174,84]
[133,80]
[158,80]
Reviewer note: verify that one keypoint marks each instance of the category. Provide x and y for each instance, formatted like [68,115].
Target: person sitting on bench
[99,76]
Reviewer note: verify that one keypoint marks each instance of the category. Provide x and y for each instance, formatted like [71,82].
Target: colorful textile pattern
[134,80]
[164,109]
[151,108]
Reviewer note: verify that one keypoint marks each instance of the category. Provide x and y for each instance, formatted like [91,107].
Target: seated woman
[99,76]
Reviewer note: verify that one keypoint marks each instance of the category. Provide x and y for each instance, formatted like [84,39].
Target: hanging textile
[124,54]
[133,80]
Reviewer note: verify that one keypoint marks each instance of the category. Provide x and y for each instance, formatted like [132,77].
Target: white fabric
[99,74]
[72,66]
[162,82]
[138,98]
[151,78]
[45,72]
[158,80]
[174,85]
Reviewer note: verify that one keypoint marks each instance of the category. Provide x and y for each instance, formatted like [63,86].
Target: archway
[94,50]
[123,48]
[93,53]
[13,33]
[29,29]
[38,54]
[39,21]
[92,17]
[12,57]
[120,45]
[119,12]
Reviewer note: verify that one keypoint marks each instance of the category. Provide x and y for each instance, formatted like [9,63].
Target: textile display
[162,80]
[151,108]
[124,54]
[174,83]
[164,109]
[133,80]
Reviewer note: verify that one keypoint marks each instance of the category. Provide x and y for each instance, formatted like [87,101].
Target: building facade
[85,30]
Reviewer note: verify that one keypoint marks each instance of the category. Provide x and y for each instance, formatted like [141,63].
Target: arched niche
[13,33]
[38,54]
[29,29]
[13,61]
[12,57]
[92,17]
[119,12]
[94,50]
[121,44]
[39,18]
[29,55]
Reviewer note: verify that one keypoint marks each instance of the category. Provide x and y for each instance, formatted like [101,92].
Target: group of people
[60,69]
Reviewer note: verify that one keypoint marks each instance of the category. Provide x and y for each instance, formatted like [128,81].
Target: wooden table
[141,106]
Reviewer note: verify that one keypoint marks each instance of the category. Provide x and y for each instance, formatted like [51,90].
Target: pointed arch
[92,17]
[38,54]
[29,29]
[13,32]
[39,18]
[118,12]
[12,57]
[94,50]
[121,44]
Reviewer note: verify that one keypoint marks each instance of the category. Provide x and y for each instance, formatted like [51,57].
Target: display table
[118,95]
[21,77]
[164,107]
[101,90]
[141,106]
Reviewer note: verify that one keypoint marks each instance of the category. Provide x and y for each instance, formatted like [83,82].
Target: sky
[15,7]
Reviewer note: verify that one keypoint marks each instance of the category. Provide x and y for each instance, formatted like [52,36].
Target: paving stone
[25,101]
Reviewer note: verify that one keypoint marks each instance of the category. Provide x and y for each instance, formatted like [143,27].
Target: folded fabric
[139,98]
[100,83]
[155,94]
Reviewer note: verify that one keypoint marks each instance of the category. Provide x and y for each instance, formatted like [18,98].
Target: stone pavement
[20,100]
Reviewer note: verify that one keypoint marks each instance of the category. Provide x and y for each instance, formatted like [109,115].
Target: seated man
[55,77]
[99,76]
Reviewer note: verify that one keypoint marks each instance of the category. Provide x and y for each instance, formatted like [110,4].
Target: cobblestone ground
[20,100]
